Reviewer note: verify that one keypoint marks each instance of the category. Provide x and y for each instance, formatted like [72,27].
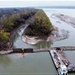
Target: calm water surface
[31,64]
[38,63]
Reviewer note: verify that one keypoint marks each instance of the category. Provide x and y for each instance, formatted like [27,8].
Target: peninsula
[39,26]
[10,20]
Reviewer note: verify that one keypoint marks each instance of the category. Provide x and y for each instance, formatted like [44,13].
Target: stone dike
[66,18]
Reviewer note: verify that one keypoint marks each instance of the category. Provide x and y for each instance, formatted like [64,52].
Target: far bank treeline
[10,19]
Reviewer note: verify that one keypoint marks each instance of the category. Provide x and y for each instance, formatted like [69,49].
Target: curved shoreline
[34,40]
[57,36]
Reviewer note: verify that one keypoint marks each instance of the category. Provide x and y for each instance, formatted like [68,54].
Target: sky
[31,3]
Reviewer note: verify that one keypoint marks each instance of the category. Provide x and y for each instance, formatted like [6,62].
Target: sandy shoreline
[57,36]
[30,40]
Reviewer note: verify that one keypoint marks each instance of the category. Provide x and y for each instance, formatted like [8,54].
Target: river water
[38,63]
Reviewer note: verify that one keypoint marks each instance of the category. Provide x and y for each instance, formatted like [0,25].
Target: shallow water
[38,63]
[62,25]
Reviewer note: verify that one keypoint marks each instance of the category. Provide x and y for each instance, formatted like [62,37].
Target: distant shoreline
[56,7]
[68,19]
[60,7]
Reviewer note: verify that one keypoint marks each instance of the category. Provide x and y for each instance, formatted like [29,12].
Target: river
[38,63]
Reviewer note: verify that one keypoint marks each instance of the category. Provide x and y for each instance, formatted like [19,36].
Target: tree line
[39,25]
[8,22]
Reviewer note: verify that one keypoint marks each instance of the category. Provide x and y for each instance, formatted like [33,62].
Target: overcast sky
[29,3]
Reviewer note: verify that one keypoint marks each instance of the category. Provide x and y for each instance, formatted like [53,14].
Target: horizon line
[40,7]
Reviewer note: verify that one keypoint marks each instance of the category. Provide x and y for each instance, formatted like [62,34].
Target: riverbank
[11,22]
[13,33]
[57,35]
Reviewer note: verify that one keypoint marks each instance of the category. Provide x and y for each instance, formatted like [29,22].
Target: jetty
[64,48]
[59,58]
[57,54]
[56,58]
[31,50]
[16,50]
[65,18]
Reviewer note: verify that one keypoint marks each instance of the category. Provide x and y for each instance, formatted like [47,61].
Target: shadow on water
[17,35]
[17,39]
[5,60]
[43,44]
